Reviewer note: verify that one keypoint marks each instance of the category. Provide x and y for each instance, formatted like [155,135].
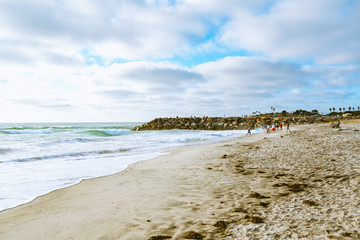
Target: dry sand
[302,185]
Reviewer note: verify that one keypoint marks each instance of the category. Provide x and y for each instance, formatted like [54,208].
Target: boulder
[193,125]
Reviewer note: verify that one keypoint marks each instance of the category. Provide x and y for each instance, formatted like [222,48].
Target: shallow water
[36,158]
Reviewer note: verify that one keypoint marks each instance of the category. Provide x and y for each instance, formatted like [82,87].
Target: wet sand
[299,185]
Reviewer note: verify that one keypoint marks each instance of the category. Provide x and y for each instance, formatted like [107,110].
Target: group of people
[274,128]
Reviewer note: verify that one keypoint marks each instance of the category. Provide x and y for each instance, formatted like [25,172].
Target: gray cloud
[13,56]
[60,59]
[163,78]
[244,74]
[156,78]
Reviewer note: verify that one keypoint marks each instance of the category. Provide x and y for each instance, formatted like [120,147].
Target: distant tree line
[343,109]
[301,112]
[315,112]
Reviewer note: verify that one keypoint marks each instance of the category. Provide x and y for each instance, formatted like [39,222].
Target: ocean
[37,158]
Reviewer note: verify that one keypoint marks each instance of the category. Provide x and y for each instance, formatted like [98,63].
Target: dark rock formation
[228,123]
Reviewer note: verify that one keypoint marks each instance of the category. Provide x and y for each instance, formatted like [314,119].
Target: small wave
[194,139]
[66,127]
[80,154]
[28,131]
[105,132]
[68,141]
[4,150]
[81,140]
[13,128]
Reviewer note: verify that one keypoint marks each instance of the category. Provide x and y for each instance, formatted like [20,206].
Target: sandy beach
[299,185]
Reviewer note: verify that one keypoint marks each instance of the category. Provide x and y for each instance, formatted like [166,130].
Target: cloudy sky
[134,60]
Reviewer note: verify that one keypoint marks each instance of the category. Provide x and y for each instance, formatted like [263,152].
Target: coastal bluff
[228,123]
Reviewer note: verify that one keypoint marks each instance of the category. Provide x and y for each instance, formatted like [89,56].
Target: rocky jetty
[228,123]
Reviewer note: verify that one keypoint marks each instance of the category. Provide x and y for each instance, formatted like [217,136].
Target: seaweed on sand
[257,195]
[297,187]
[193,235]
[310,203]
[221,226]
[264,204]
[160,237]
[254,219]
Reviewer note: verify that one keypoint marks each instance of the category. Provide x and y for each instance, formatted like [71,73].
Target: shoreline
[196,188]
[163,153]
[134,157]
[40,200]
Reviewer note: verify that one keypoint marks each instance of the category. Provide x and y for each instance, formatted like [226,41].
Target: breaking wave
[27,131]
[4,150]
[79,154]
[68,141]
[105,132]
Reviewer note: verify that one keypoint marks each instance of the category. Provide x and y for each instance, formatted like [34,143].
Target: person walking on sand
[281,126]
[249,131]
[337,124]
[273,128]
[267,129]
[288,127]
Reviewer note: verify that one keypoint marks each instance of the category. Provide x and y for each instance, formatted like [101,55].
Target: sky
[135,60]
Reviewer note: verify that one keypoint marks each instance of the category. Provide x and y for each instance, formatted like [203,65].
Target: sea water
[36,158]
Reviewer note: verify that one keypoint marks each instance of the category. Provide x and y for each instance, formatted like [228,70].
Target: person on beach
[267,129]
[273,128]
[281,126]
[249,131]
[288,127]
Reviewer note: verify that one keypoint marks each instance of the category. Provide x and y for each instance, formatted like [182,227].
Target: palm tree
[339,109]
[330,109]
[343,109]
[358,108]
[333,109]
[349,108]
[353,109]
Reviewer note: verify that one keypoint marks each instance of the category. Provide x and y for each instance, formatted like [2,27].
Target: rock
[167,125]
[229,123]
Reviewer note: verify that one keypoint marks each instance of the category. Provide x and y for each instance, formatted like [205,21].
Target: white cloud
[143,90]
[251,74]
[112,60]
[326,31]
[125,29]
